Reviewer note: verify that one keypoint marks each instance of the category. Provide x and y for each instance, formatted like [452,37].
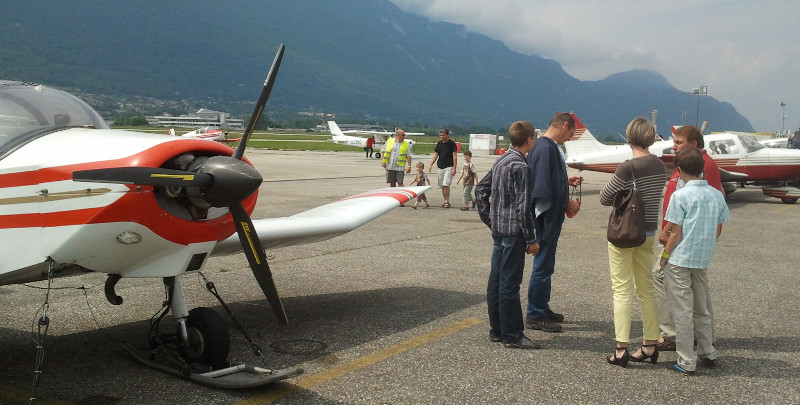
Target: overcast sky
[746,52]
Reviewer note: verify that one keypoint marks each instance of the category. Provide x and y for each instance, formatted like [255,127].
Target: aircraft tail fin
[335,131]
[582,141]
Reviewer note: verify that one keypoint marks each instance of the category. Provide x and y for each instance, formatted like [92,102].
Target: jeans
[502,291]
[544,264]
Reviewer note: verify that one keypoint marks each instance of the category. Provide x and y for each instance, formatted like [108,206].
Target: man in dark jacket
[550,199]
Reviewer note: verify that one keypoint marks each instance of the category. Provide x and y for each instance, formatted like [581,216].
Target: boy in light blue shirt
[696,213]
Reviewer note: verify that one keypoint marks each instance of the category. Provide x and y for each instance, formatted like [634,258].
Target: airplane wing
[727,176]
[324,222]
[227,140]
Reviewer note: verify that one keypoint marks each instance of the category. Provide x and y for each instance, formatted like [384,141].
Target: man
[504,206]
[685,137]
[396,158]
[795,141]
[447,155]
[550,198]
[370,144]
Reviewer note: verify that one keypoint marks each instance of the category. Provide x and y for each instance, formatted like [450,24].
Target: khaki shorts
[395,176]
[445,176]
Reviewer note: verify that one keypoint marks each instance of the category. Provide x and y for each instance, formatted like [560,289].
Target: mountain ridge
[357,58]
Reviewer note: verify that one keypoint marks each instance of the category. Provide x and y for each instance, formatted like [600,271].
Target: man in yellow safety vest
[396,158]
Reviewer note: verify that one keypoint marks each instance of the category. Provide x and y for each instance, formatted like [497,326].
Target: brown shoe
[666,346]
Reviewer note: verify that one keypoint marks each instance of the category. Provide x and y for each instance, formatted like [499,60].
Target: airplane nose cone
[234,180]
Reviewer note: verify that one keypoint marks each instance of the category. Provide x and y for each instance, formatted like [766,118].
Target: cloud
[748,53]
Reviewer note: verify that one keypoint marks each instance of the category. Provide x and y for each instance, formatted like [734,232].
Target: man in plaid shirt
[504,205]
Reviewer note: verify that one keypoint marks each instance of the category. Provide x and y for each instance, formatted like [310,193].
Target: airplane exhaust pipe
[111,295]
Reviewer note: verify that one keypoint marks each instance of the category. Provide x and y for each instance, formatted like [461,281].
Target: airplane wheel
[787,200]
[209,341]
[377,155]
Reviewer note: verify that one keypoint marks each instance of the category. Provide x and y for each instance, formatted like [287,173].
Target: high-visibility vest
[401,157]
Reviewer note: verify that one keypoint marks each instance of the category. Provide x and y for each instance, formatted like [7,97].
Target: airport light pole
[783,124]
[702,91]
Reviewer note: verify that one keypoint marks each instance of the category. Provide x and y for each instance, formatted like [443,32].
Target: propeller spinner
[224,182]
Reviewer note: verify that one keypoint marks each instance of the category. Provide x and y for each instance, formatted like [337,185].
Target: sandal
[652,356]
[446,205]
[414,206]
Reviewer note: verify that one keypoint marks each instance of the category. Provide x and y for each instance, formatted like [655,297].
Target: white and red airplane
[76,196]
[340,137]
[741,160]
[207,134]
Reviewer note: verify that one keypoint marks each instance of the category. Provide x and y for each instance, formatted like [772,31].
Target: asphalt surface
[394,312]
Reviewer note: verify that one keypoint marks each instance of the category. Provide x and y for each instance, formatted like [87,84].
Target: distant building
[202,118]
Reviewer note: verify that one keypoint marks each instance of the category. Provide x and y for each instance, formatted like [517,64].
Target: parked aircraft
[208,134]
[341,138]
[76,196]
[741,160]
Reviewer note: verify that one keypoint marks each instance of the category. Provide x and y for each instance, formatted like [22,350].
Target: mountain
[360,59]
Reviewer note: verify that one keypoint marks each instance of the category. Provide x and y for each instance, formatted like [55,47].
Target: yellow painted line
[9,393]
[359,363]
[786,207]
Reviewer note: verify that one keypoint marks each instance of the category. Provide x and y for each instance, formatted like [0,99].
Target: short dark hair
[519,132]
[690,160]
[445,130]
[691,134]
[561,118]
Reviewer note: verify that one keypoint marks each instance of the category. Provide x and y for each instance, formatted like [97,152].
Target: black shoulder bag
[626,223]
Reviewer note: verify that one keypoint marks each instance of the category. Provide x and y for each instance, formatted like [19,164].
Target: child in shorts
[420,180]
[470,177]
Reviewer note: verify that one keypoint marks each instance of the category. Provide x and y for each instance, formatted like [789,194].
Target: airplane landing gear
[377,155]
[208,341]
[198,350]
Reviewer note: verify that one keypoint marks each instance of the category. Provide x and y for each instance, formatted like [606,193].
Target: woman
[631,267]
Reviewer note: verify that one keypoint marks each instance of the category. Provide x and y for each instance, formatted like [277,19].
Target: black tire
[787,200]
[377,155]
[209,341]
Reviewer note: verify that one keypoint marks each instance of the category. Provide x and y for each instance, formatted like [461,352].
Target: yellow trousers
[630,270]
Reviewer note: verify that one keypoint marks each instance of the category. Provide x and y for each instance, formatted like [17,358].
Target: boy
[469,176]
[504,205]
[695,215]
[420,180]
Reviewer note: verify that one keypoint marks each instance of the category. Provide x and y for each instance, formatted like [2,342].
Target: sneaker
[554,316]
[494,337]
[708,363]
[543,324]
[666,346]
[682,370]
[524,343]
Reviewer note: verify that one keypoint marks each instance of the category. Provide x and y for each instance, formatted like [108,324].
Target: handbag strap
[633,174]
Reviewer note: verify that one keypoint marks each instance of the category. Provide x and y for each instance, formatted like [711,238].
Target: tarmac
[394,312]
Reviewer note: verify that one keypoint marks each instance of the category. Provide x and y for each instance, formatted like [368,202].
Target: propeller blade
[261,103]
[145,176]
[258,260]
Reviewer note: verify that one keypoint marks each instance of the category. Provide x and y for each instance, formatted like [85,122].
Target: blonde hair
[420,164]
[640,132]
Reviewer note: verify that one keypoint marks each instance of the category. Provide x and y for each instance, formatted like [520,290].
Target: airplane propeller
[224,181]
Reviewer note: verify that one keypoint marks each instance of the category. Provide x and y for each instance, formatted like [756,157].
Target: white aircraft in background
[76,196]
[341,138]
[207,134]
[741,160]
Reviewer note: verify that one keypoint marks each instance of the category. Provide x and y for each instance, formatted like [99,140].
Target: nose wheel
[208,341]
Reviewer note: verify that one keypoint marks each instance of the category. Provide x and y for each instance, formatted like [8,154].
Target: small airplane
[207,134]
[742,161]
[340,137]
[77,196]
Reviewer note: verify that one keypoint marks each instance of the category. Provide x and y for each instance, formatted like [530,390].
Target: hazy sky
[746,52]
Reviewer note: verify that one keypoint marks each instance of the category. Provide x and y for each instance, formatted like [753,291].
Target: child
[469,176]
[420,180]
[695,213]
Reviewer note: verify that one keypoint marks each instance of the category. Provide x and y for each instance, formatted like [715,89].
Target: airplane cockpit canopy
[28,110]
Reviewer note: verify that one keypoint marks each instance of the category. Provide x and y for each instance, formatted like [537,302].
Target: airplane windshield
[27,110]
[750,144]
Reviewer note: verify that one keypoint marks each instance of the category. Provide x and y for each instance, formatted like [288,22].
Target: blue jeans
[544,264]
[502,291]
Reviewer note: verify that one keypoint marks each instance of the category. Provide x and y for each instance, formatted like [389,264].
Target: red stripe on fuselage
[137,206]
